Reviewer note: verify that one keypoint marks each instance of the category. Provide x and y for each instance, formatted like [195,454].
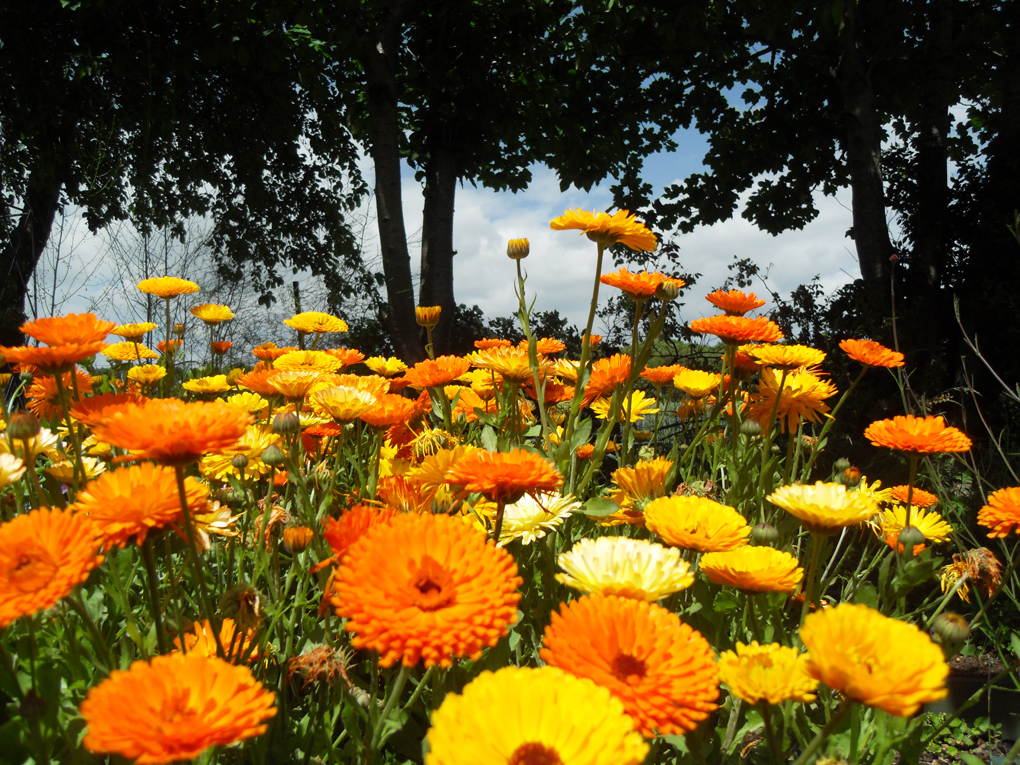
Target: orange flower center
[32,571]
[626,666]
[432,585]
[176,712]
[534,753]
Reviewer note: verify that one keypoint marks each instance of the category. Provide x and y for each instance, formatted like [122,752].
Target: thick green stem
[149,559]
[391,702]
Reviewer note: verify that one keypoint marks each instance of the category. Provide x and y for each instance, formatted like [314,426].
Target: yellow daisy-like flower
[873,491]
[385,367]
[641,483]
[889,523]
[788,357]
[695,383]
[44,442]
[147,374]
[212,314]
[636,407]
[63,470]
[802,398]
[250,402]
[294,384]
[167,287]
[343,404]
[824,508]
[128,351]
[212,384]
[319,361]
[565,369]
[511,363]
[753,569]
[315,321]
[11,469]
[133,331]
[608,229]
[546,717]
[256,439]
[529,518]
[630,568]
[771,673]
[874,659]
[433,473]
[427,315]
[697,523]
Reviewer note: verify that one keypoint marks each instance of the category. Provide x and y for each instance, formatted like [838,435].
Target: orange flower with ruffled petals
[606,375]
[1002,513]
[511,364]
[88,411]
[348,356]
[917,435]
[292,384]
[546,346]
[492,342]
[661,670]
[872,354]
[54,360]
[73,329]
[44,554]
[389,409]
[505,476]
[131,501]
[220,347]
[918,498]
[340,533]
[426,588]
[659,376]
[43,400]
[174,708]
[734,302]
[620,227]
[435,373]
[734,330]
[170,431]
[640,286]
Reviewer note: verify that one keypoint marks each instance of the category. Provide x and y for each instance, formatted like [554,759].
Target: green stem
[823,734]
[391,702]
[149,558]
[102,648]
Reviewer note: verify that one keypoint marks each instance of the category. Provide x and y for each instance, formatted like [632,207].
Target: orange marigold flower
[51,361]
[220,347]
[606,375]
[1002,513]
[734,330]
[426,587]
[661,670]
[734,302]
[872,354]
[174,708]
[258,381]
[505,476]
[167,287]
[315,321]
[608,229]
[435,373]
[73,329]
[129,502]
[389,409]
[348,356]
[659,376]
[269,351]
[44,554]
[491,342]
[175,345]
[787,356]
[917,435]
[802,398]
[639,286]
[199,640]
[696,523]
[753,569]
[88,411]
[170,431]
[546,346]
[42,393]
[918,498]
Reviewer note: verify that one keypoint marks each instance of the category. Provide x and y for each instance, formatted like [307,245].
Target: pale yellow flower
[631,568]
[147,374]
[385,367]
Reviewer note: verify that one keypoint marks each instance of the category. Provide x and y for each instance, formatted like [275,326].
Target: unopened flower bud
[951,632]
[274,456]
[286,424]
[668,290]
[239,461]
[840,465]
[297,538]
[518,249]
[427,315]
[642,435]
[23,425]
[231,498]
[764,535]
[750,428]
[243,604]
[178,329]
[910,538]
[850,477]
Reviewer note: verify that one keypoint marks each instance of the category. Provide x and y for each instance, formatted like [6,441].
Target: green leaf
[489,438]
[725,602]
[971,759]
[867,595]
[581,435]
[1014,641]
[599,507]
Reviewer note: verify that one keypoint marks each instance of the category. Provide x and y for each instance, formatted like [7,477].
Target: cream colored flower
[631,568]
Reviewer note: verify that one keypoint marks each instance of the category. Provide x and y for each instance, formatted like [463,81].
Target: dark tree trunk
[864,157]
[437,238]
[20,255]
[377,52]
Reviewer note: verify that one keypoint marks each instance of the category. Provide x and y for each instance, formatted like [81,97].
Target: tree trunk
[377,52]
[21,254]
[437,238]
[864,157]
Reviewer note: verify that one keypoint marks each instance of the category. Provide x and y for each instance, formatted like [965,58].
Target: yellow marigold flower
[917,435]
[44,442]
[636,406]
[212,384]
[874,659]
[546,715]
[133,331]
[199,640]
[642,483]
[753,569]
[249,402]
[212,314]
[511,363]
[787,357]
[374,384]
[213,518]
[607,230]
[147,374]
[695,383]
[315,321]
[824,508]
[1002,513]
[167,287]
[565,369]
[630,568]
[771,673]
[256,439]
[343,404]
[11,469]
[696,523]
[529,518]
[128,351]
[294,384]
[63,470]
[427,315]
[319,361]
[385,367]
[872,491]
[889,523]
[802,398]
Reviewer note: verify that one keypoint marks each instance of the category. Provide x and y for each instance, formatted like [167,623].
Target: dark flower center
[534,753]
[433,584]
[33,571]
[626,666]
